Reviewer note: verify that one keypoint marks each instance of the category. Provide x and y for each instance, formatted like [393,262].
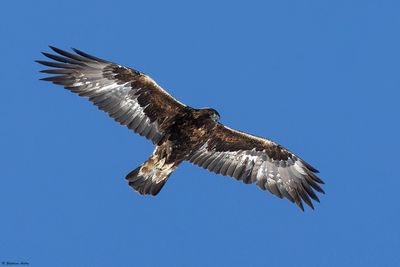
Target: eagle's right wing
[130,97]
[258,160]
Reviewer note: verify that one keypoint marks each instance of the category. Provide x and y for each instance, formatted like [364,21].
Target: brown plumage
[179,132]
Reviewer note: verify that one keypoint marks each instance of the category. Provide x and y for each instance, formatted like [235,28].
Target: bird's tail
[150,177]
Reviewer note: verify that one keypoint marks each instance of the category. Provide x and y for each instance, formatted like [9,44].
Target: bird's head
[212,114]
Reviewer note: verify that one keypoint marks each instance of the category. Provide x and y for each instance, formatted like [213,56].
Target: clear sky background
[319,77]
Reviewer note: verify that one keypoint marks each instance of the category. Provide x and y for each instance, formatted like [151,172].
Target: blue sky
[319,77]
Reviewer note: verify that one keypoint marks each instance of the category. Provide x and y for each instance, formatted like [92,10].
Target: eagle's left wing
[254,159]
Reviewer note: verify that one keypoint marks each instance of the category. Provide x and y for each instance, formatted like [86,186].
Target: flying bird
[179,132]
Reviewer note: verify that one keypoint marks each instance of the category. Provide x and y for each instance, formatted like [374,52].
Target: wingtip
[41,62]
[86,55]
[77,50]
[47,54]
[49,79]
[311,168]
[300,205]
[309,202]
[54,48]
[57,50]
[80,52]
[38,61]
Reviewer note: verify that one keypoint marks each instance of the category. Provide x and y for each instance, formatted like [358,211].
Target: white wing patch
[116,99]
[95,78]
[284,178]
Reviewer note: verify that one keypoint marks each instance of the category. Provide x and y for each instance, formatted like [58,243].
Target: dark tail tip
[144,185]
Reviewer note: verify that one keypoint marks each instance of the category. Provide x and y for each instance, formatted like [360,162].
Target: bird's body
[186,135]
[179,132]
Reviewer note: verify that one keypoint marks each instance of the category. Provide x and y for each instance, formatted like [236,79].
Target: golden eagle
[180,132]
